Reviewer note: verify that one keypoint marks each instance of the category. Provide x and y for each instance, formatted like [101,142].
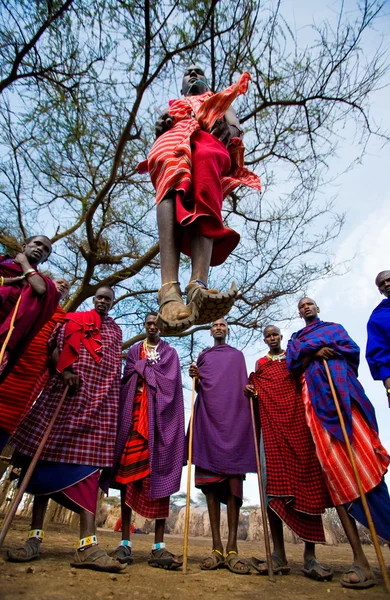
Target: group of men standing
[128,432]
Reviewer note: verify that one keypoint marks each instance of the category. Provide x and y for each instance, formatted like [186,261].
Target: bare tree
[82,83]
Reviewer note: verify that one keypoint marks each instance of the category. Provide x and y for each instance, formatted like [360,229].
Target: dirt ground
[51,577]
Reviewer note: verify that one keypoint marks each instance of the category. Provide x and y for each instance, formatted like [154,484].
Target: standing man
[29,374]
[150,445]
[378,329]
[195,162]
[306,352]
[296,489]
[82,440]
[223,447]
[19,278]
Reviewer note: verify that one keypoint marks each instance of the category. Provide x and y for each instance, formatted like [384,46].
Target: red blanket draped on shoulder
[82,327]
[28,377]
[33,311]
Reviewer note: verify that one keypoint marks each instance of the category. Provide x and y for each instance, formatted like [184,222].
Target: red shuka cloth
[295,483]
[28,377]
[33,311]
[82,327]
[178,162]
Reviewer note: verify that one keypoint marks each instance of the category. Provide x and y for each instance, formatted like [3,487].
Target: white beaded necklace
[151,352]
[277,357]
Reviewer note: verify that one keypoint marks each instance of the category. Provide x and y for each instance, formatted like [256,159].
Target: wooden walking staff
[10,330]
[26,479]
[262,497]
[358,481]
[188,496]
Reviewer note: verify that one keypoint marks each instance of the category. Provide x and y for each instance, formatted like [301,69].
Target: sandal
[98,560]
[210,305]
[216,561]
[164,560]
[363,583]
[278,565]
[30,549]
[168,327]
[313,569]
[123,555]
[232,560]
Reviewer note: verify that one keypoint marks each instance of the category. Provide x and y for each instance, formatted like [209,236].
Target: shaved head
[306,298]
[380,276]
[269,327]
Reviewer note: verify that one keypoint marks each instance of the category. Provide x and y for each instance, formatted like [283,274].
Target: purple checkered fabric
[165,416]
[85,429]
[344,370]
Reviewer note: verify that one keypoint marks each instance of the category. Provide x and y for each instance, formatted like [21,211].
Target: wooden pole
[267,544]
[26,479]
[188,496]
[358,481]
[10,330]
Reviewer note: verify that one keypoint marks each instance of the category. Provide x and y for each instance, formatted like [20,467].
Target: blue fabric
[378,501]
[378,343]
[49,477]
[4,437]
[343,369]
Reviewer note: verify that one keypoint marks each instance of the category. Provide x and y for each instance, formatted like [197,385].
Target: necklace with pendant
[151,352]
[277,357]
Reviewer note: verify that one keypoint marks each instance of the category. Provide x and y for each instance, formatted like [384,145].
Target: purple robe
[165,416]
[223,437]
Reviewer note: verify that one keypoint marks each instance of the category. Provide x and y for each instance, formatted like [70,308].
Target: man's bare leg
[123,553]
[159,530]
[201,250]
[359,558]
[279,551]
[31,548]
[233,514]
[214,510]
[169,236]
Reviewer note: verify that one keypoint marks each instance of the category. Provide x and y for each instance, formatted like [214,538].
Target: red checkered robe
[85,430]
[295,483]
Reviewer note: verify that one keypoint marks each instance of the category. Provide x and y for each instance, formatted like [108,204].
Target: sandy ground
[51,577]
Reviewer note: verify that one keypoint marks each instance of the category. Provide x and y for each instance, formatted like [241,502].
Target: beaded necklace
[277,357]
[151,352]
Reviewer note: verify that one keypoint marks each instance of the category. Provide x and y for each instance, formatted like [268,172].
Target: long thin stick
[26,479]
[10,330]
[188,496]
[359,482]
[262,497]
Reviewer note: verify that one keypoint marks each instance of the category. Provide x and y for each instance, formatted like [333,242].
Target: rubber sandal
[167,327]
[218,561]
[278,566]
[98,560]
[123,555]
[210,307]
[363,583]
[312,569]
[31,550]
[162,559]
[232,559]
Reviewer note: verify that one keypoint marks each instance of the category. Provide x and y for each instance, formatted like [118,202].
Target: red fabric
[295,483]
[83,494]
[372,459]
[134,463]
[210,161]
[82,327]
[33,311]
[222,486]
[85,430]
[29,375]
[137,498]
